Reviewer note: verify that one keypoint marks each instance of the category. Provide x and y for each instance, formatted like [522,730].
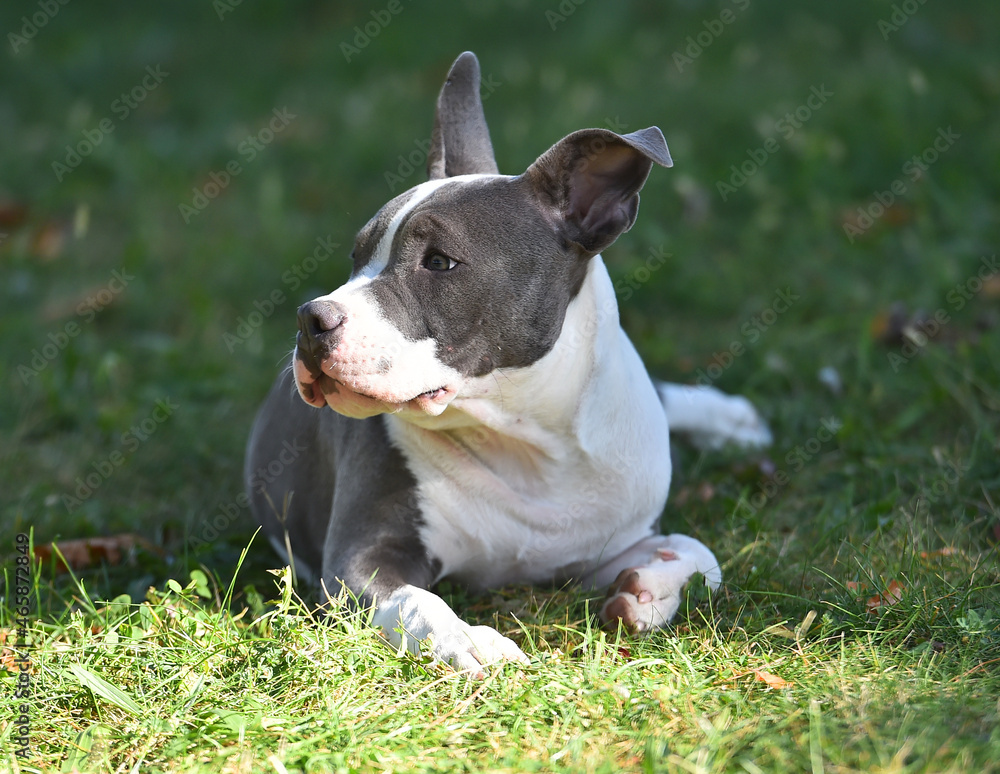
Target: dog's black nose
[319,317]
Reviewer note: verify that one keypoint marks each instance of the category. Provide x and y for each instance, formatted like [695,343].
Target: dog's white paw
[646,597]
[411,615]
[469,648]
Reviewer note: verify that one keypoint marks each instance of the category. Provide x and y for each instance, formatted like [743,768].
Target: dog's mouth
[324,390]
[432,394]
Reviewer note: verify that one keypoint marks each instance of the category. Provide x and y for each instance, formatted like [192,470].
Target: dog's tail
[710,419]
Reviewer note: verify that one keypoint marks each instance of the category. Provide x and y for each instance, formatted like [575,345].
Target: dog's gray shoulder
[304,462]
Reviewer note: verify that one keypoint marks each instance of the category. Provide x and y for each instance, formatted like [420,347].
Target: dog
[491,422]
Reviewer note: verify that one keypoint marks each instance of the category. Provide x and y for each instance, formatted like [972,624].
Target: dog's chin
[326,391]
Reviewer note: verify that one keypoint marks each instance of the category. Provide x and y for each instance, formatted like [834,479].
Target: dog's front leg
[389,570]
[411,615]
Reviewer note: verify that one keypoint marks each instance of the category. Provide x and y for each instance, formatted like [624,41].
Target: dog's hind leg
[710,419]
[646,581]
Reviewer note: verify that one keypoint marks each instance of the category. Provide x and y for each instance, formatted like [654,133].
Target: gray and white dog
[491,421]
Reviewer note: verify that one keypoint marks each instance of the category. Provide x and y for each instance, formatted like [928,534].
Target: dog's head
[471,271]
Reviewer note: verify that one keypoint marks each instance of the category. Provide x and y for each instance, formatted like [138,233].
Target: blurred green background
[145,105]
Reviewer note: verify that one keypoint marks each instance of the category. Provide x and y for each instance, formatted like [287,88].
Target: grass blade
[106,690]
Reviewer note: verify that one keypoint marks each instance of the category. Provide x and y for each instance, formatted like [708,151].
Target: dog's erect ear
[460,142]
[591,179]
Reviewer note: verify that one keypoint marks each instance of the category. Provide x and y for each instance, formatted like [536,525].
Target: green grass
[233,673]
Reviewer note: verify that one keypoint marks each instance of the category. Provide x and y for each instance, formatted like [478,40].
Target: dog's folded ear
[460,142]
[591,180]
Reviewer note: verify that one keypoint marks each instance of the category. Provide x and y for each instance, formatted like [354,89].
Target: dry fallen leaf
[893,216]
[946,551]
[890,327]
[878,328]
[50,239]
[856,587]
[704,492]
[9,658]
[7,662]
[771,680]
[888,598]
[85,302]
[79,554]
[12,214]
[682,496]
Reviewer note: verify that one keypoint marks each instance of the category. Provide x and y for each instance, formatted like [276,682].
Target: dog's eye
[438,262]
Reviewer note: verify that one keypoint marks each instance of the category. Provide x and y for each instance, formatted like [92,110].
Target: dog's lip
[434,394]
[315,389]
[315,384]
[312,391]
[330,385]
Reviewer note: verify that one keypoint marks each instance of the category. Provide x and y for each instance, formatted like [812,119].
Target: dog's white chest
[520,516]
[547,470]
